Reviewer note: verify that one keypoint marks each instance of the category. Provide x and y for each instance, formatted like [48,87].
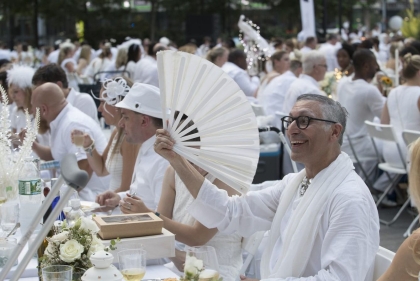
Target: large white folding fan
[229,140]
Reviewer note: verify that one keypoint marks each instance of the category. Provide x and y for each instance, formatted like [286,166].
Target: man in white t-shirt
[53,73]
[141,117]
[330,50]
[314,67]
[146,68]
[310,45]
[61,118]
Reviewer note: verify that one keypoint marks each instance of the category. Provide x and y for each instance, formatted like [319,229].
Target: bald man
[61,118]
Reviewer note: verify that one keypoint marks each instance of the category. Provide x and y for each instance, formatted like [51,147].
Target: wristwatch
[90,148]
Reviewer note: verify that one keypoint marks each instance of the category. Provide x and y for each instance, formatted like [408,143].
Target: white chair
[250,245]
[386,133]
[258,109]
[383,260]
[409,137]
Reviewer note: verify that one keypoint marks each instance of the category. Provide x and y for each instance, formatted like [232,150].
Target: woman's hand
[87,141]
[133,205]
[164,144]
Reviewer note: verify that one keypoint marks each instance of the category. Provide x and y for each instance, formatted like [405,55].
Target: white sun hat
[144,99]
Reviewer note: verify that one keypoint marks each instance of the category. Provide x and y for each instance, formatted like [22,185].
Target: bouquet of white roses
[74,245]
[194,270]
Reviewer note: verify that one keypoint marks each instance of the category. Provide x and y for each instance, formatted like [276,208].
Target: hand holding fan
[210,118]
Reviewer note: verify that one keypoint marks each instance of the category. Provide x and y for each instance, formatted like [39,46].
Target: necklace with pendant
[304,185]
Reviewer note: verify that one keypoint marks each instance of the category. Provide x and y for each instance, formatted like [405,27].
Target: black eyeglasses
[301,121]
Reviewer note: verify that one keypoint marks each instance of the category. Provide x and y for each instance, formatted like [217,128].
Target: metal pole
[383,15]
[340,16]
[325,19]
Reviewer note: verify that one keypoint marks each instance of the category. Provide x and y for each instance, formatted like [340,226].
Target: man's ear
[337,128]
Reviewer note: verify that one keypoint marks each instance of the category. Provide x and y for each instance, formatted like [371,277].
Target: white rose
[60,237]
[71,251]
[88,224]
[193,265]
[95,246]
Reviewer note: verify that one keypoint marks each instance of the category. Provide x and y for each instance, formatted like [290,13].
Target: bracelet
[157,214]
[90,148]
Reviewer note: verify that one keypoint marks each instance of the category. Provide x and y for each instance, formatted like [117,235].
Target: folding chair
[409,137]
[250,245]
[258,109]
[386,133]
[359,160]
[383,260]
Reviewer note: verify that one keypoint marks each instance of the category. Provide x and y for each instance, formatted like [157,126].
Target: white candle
[397,66]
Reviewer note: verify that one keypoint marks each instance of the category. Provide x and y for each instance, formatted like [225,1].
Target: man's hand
[133,205]
[244,278]
[108,198]
[164,144]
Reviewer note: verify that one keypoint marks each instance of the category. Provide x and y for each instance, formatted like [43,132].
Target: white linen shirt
[247,84]
[84,102]
[71,118]
[305,84]
[330,52]
[272,98]
[148,175]
[146,71]
[347,239]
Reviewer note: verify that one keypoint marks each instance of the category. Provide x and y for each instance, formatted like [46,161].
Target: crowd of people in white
[321,223]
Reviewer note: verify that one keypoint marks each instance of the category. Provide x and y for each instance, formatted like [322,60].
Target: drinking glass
[9,215]
[208,255]
[57,273]
[7,246]
[78,140]
[132,264]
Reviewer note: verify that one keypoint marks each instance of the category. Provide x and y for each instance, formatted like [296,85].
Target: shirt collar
[309,79]
[55,123]
[147,145]
[71,96]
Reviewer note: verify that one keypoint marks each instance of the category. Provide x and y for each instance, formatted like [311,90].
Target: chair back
[258,109]
[381,131]
[410,136]
[250,245]
[383,260]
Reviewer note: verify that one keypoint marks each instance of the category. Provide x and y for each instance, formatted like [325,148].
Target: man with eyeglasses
[323,222]
[314,66]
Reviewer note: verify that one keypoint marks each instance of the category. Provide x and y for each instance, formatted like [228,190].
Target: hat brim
[123,104]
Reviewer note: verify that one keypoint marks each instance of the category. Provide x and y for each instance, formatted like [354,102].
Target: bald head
[49,97]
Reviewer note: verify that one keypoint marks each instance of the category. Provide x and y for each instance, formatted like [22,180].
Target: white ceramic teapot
[102,269]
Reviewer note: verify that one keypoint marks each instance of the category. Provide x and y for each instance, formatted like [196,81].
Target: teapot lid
[102,269]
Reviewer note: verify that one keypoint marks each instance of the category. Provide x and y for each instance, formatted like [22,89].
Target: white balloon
[395,22]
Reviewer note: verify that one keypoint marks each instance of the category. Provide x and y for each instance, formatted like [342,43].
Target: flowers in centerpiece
[387,84]
[194,270]
[74,245]
[12,160]
[328,84]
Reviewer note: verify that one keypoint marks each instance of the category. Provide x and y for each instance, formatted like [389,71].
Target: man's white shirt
[146,71]
[148,175]
[247,84]
[305,84]
[347,238]
[272,98]
[330,52]
[305,49]
[69,119]
[84,102]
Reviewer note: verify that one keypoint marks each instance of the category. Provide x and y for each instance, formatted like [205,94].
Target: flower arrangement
[194,270]
[12,160]
[386,83]
[74,245]
[328,84]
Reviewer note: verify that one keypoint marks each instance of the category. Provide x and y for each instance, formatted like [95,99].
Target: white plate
[88,206]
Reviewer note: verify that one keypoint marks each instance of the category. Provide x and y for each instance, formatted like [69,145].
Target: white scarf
[304,223]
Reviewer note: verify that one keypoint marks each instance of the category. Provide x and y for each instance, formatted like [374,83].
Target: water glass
[9,215]
[132,264]
[57,273]
[7,246]
[208,255]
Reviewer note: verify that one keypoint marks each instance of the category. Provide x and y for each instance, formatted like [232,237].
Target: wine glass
[208,255]
[78,140]
[132,264]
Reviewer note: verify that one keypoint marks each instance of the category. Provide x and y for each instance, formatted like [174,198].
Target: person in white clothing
[402,110]
[236,69]
[218,56]
[363,101]
[330,51]
[272,98]
[68,64]
[310,45]
[313,70]
[61,118]
[100,64]
[141,117]
[55,74]
[323,221]
[145,70]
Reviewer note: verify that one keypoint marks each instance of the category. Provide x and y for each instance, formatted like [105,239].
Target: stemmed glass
[78,140]
[132,264]
[208,255]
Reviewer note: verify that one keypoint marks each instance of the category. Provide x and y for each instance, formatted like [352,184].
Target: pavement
[392,236]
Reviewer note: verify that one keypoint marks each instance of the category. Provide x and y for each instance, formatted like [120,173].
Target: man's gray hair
[331,110]
[310,59]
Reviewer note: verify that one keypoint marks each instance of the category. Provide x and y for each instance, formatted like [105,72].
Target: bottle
[75,212]
[30,197]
